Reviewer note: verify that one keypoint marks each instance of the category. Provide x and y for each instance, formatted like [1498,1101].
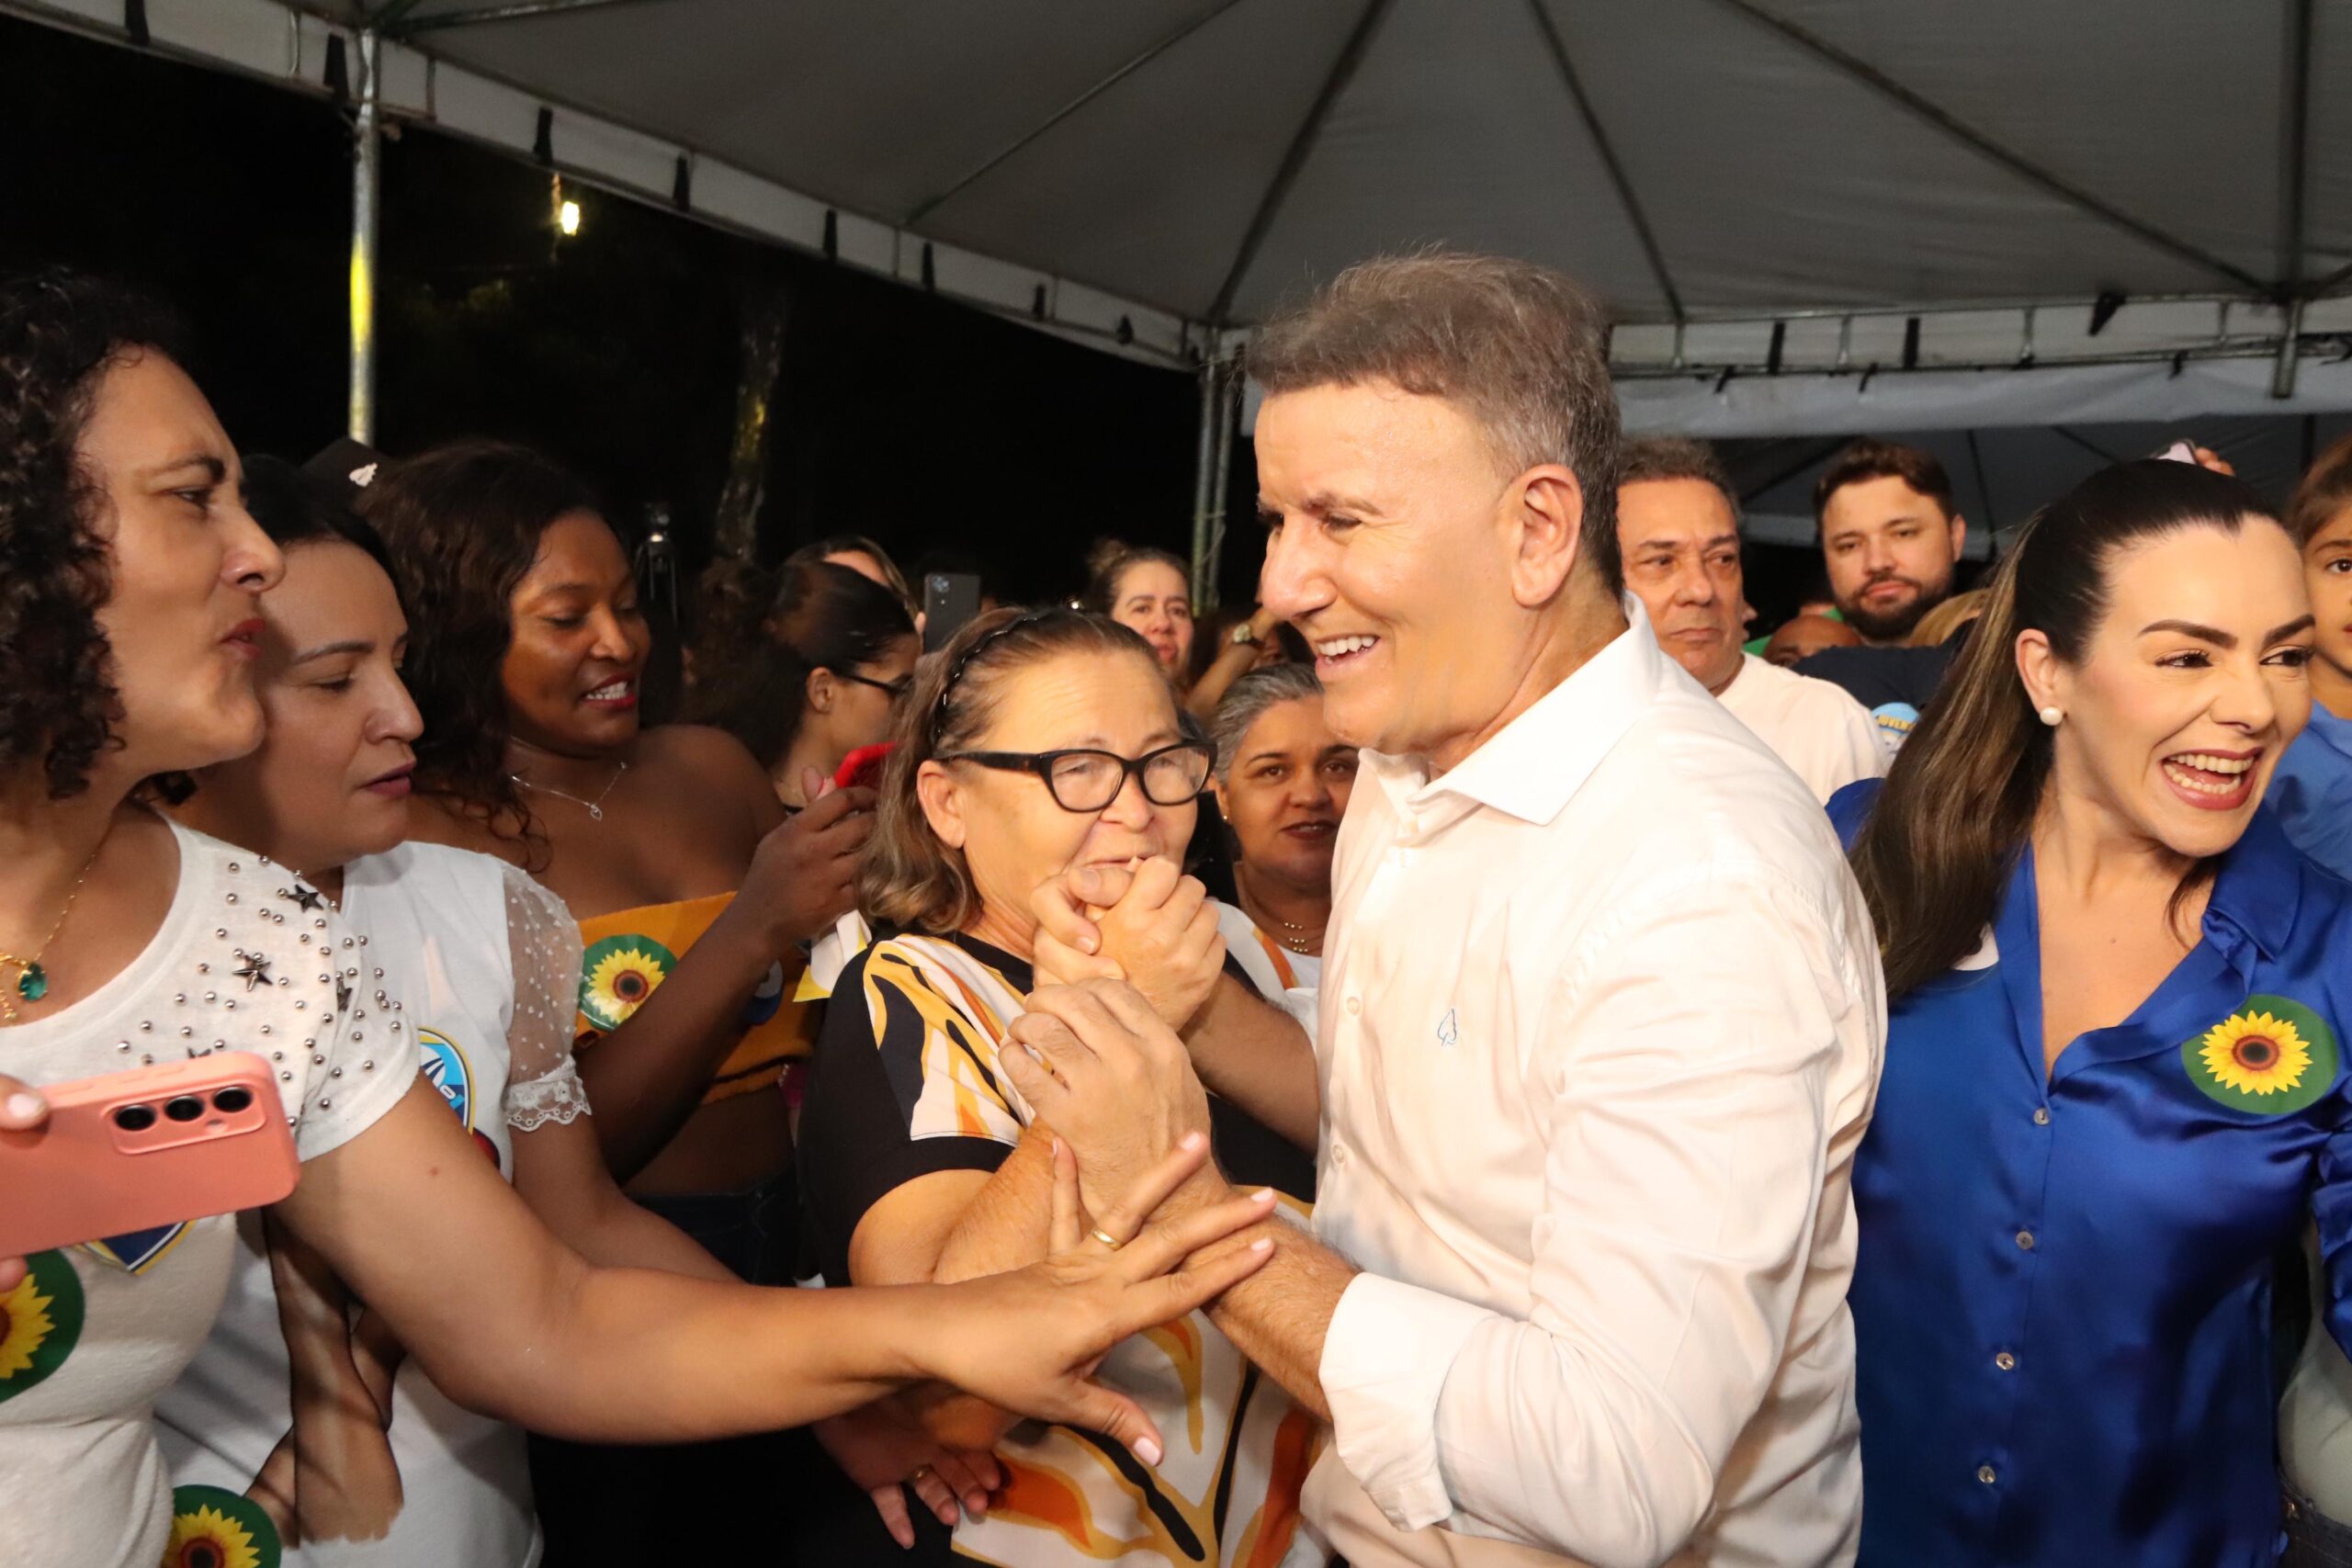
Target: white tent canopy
[1804,215]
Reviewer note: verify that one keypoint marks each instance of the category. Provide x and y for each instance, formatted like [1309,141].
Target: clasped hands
[1126,958]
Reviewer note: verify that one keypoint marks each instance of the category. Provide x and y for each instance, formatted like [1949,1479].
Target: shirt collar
[1533,765]
[2258,889]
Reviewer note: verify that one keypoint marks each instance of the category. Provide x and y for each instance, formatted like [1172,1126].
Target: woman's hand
[22,1109]
[884,1450]
[1118,1085]
[803,877]
[1152,926]
[1027,1340]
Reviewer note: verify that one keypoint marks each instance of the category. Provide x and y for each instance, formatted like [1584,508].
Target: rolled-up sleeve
[1688,1072]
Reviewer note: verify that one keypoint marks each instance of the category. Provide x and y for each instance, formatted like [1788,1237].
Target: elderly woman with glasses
[1037,743]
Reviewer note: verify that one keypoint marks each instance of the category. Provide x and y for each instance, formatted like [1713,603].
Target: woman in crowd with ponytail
[2115,1085]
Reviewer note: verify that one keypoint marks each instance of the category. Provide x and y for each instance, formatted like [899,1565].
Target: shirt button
[1984,1474]
[2005,1361]
[2025,1241]
[1339,1152]
[2042,1116]
[1355,1006]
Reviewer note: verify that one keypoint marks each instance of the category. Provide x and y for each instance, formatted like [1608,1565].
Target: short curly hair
[463,524]
[60,332]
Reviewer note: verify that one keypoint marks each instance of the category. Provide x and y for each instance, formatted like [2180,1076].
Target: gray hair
[1519,346]
[1246,702]
[1650,457]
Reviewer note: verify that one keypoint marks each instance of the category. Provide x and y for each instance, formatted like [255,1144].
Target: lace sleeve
[543,946]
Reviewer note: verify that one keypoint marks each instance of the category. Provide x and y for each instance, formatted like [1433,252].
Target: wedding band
[1096,1231]
[921,1470]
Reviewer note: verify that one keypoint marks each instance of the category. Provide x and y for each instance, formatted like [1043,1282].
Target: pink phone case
[145,1149]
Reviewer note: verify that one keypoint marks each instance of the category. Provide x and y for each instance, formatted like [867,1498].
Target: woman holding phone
[130,628]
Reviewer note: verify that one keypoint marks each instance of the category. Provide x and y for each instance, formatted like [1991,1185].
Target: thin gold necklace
[32,980]
[1301,943]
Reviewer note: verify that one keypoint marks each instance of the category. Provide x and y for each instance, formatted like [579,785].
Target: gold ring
[921,1470]
[1096,1232]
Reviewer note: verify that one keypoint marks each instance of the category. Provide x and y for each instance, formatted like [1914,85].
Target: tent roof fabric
[1699,157]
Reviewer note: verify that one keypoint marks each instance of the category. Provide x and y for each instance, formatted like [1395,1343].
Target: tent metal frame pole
[2290,348]
[1302,143]
[2025,168]
[519,11]
[366,204]
[1229,421]
[1634,212]
[1210,460]
[2294,146]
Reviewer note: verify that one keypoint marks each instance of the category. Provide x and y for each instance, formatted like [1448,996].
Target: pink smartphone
[144,1149]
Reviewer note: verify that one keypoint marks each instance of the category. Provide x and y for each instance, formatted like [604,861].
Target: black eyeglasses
[1091,780]
[898,688]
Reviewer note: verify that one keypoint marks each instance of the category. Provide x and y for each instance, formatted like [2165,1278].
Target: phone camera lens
[184,1108]
[233,1099]
[135,1118]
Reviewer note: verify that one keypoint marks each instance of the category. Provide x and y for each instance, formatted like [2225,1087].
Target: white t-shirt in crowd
[1824,735]
[247,959]
[484,965]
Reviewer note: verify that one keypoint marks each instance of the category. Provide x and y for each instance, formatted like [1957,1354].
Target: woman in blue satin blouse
[2115,1079]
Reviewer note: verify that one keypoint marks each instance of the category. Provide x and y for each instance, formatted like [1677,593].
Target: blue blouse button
[2005,1361]
[2025,1241]
[2042,1116]
[1984,1474]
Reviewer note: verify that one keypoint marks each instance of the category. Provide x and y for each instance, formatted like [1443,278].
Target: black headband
[963,661]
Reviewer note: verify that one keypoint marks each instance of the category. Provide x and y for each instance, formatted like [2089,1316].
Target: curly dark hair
[463,524]
[59,334]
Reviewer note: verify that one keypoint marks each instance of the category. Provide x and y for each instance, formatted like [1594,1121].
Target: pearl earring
[2054,717]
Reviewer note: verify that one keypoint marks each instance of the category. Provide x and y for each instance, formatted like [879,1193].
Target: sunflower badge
[615,976]
[2271,1056]
[40,1320]
[216,1528]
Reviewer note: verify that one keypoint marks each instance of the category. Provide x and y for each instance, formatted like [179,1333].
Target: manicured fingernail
[1190,1141]
[1263,1244]
[26,1105]
[1087,944]
[1057,1148]
[1147,1450]
[1263,1195]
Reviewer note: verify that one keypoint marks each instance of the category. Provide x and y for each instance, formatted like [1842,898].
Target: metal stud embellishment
[253,971]
[301,895]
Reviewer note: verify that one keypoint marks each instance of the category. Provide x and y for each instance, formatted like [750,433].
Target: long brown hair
[1937,852]
[909,879]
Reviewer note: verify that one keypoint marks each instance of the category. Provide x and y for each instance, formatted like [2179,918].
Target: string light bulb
[567,217]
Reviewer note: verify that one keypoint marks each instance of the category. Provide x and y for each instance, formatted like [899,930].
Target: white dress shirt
[1600,1026]
[1813,726]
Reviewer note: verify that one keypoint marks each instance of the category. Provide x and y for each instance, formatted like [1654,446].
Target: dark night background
[922,423]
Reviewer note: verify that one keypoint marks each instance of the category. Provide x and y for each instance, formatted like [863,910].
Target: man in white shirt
[1678,531]
[1601,1017]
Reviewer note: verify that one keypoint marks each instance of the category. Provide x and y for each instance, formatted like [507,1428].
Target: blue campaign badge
[1448,1030]
[136,1251]
[445,1067]
[1896,721]
[767,1000]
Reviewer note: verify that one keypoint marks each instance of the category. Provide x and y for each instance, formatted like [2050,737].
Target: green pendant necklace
[32,980]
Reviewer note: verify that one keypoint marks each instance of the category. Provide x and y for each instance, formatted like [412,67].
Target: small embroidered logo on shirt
[1448,1031]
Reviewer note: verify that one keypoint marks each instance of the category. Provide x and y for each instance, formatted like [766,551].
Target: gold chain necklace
[32,980]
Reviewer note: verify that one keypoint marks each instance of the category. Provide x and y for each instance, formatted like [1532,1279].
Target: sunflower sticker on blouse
[2271,1056]
[216,1528]
[615,976]
[41,1321]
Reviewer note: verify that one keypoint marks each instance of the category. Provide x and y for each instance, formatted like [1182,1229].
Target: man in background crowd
[1677,529]
[1891,537]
